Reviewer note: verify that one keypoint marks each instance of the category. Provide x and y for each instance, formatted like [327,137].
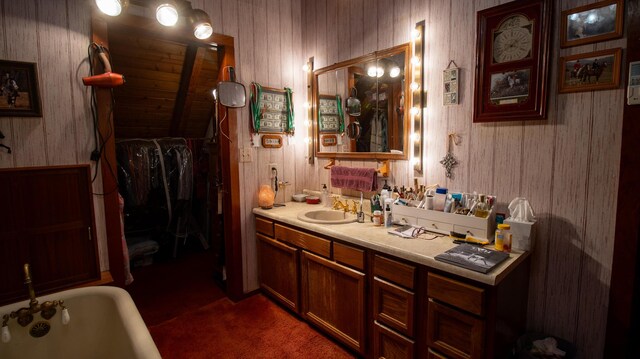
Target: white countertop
[367,235]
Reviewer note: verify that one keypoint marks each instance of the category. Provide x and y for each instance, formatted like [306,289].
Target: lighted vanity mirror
[364,103]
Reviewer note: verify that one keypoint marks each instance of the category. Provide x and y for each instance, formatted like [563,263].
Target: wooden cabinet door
[333,299]
[388,344]
[278,271]
[393,306]
[51,227]
[454,333]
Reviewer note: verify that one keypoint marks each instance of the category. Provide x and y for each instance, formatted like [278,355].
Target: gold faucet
[25,315]
[337,204]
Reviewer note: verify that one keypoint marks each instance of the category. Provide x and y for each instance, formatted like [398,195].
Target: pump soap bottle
[324,197]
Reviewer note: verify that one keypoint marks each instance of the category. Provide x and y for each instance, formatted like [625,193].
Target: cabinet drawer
[393,306]
[435,225]
[472,231]
[390,345]
[303,240]
[457,294]
[348,255]
[431,354]
[394,271]
[264,226]
[454,333]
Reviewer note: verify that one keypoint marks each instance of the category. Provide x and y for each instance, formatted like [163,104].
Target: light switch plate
[245,154]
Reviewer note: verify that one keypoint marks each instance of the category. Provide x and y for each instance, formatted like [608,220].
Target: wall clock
[512,56]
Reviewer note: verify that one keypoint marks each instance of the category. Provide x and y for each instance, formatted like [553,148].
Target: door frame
[228,158]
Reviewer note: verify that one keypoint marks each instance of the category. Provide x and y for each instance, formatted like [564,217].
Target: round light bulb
[203,31]
[110,7]
[414,111]
[415,161]
[415,60]
[415,34]
[394,72]
[306,68]
[307,140]
[379,72]
[306,105]
[307,123]
[415,137]
[371,71]
[167,14]
[414,86]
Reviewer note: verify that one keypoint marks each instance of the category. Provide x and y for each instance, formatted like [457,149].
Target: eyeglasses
[425,233]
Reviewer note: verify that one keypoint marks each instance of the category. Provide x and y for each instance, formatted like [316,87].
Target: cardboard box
[522,234]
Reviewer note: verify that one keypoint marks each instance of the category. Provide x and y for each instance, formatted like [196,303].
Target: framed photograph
[450,94]
[592,23]
[599,70]
[513,51]
[20,94]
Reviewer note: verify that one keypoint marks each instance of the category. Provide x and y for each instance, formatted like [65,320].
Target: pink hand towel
[359,179]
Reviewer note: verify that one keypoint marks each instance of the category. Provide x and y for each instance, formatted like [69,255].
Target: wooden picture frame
[20,92]
[579,27]
[576,72]
[329,140]
[330,115]
[511,82]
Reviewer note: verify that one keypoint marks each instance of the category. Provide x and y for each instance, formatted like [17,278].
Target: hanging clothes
[378,139]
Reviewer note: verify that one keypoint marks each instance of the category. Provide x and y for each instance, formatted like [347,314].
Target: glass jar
[503,238]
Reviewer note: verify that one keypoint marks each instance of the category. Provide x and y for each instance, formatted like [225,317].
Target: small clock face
[513,40]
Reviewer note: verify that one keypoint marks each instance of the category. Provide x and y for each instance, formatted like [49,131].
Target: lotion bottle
[324,197]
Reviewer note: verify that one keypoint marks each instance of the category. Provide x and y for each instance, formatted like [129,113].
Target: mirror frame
[408,76]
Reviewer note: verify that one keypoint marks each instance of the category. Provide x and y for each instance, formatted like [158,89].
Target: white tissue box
[522,234]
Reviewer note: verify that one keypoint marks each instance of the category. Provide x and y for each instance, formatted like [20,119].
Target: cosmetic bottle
[482,208]
[324,197]
[439,199]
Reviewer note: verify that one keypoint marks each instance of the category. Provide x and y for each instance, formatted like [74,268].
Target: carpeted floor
[252,328]
[189,317]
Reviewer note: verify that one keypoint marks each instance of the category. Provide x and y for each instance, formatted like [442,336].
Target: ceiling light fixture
[201,24]
[112,7]
[167,14]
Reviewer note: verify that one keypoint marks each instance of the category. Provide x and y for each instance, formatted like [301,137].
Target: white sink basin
[326,216]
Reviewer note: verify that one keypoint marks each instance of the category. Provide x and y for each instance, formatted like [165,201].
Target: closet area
[167,156]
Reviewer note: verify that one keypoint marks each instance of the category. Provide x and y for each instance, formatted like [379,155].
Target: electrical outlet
[245,154]
[272,174]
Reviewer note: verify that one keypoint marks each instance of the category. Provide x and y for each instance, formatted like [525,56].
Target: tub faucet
[25,315]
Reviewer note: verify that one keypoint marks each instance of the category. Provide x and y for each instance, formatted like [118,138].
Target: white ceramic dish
[300,197]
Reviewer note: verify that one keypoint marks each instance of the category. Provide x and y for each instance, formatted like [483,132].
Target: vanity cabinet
[407,310]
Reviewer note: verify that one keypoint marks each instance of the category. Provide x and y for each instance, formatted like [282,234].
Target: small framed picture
[450,78]
[20,94]
[271,141]
[592,23]
[599,70]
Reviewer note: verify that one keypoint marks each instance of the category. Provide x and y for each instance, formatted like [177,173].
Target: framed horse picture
[599,70]
[21,97]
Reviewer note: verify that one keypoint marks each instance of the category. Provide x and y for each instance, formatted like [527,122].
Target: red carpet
[252,328]
[165,290]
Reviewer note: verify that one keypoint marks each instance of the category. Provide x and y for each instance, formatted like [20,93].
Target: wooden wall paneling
[248,170]
[602,187]
[356,27]
[344,32]
[300,89]
[261,74]
[536,177]
[322,44]
[274,42]
[333,35]
[6,123]
[566,242]
[462,33]
[401,24]
[29,146]
[370,27]
[79,30]
[288,66]
[437,116]
[58,118]
[214,9]
[385,24]
[507,162]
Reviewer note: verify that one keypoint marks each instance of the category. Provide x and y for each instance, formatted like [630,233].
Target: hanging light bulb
[112,7]
[394,72]
[415,34]
[201,24]
[167,14]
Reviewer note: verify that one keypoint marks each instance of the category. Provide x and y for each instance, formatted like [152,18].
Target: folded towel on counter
[359,179]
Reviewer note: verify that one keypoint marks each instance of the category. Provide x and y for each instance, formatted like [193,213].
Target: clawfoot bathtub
[104,323]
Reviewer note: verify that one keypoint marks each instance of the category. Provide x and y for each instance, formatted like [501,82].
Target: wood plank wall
[567,166]
[55,35]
